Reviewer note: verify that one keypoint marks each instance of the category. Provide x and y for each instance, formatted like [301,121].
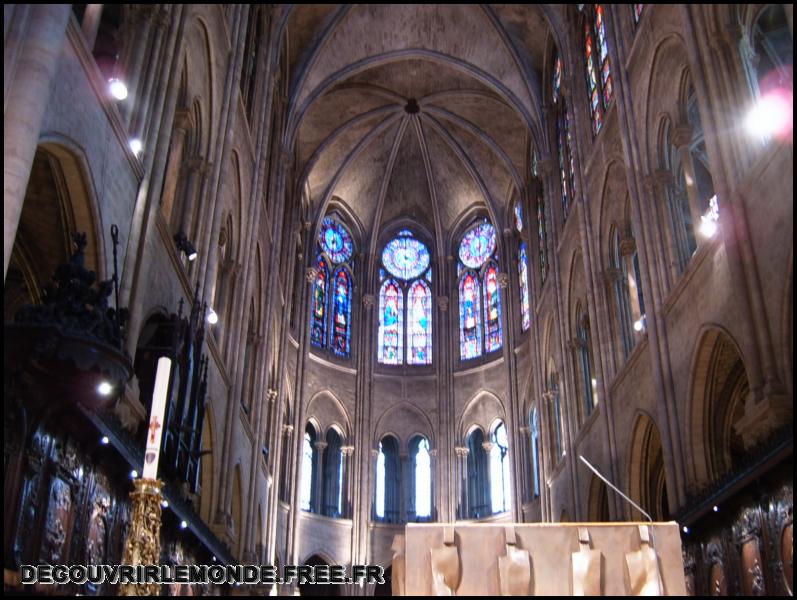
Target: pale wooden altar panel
[550,546]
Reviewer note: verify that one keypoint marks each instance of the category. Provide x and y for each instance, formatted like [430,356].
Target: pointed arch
[647,481]
[391,323]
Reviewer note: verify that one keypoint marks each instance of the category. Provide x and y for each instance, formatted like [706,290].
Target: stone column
[182,124]
[345,508]
[462,480]
[404,487]
[432,484]
[318,501]
[284,481]
[91,24]
[526,472]
[488,448]
[23,114]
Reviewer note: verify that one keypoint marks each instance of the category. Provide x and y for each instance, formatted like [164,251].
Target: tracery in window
[596,60]
[331,295]
[564,142]
[479,293]
[407,259]
[523,278]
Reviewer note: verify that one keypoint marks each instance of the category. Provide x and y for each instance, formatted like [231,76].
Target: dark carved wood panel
[746,548]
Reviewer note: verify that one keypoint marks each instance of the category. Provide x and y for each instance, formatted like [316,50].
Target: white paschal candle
[155,429]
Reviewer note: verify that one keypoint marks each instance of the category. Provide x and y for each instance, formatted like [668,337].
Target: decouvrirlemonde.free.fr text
[200,574]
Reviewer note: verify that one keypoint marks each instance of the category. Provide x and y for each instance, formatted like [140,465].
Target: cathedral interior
[411,264]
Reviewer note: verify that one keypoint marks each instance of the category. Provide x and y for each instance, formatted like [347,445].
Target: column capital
[433,452]
[320,445]
[310,274]
[369,300]
[610,275]
[547,166]
[374,452]
[627,246]
[575,344]
[681,135]
[442,302]
[461,450]
[347,450]
[272,394]
[287,430]
[525,429]
[488,446]
[183,120]
[503,280]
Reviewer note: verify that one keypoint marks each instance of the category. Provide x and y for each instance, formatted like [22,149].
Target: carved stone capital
[442,302]
[374,452]
[461,451]
[525,430]
[311,274]
[369,300]
[682,135]
[547,166]
[272,394]
[433,452]
[609,276]
[575,344]
[347,450]
[183,120]
[198,164]
[320,445]
[488,447]
[287,430]
[627,246]
[503,280]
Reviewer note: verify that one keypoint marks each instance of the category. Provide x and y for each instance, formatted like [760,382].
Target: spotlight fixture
[639,324]
[136,146]
[185,245]
[104,388]
[117,88]
[183,524]
[716,508]
[685,529]
[213,318]
[165,504]
[104,440]
[133,474]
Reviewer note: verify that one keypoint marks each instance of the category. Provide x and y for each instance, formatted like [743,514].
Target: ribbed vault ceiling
[415,111]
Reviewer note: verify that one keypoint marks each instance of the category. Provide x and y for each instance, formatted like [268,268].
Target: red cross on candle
[153,429]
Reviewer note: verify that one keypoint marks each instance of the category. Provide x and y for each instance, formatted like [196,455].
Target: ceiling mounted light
[104,440]
[213,318]
[185,245]
[133,474]
[104,389]
[117,88]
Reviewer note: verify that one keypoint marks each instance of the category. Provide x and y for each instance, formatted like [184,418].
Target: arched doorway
[318,589]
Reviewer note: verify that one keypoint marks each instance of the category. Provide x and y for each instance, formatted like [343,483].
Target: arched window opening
[331,295]
[523,278]
[479,505]
[479,293]
[683,225]
[254,33]
[773,50]
[589,385]
[420,497]
[405,273]
[564,145]
[625,320]
[542,237]
[388,481]
[332,504]
[534,424]
[636,10]
[500,487]
[598,68]
[556,416]
[308,469]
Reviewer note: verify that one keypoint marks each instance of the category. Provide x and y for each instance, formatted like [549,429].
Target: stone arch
[718,392]
[325,408]
[207,468]
[647,482]
[404,420]
[481,410]
[238,510]
[598,501]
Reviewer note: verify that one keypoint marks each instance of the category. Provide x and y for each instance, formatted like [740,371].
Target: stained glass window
[470,336]
[408,260]
[562,146]
[638,8]
[391,323]
[405,257]
[556,81]
[518,217]
[541,237]
[341,315]
[318,317]
[492,310]
[419,320]
[335,240]
[535,451]
[477,245]
[523,278]
[564,141]
[596,59]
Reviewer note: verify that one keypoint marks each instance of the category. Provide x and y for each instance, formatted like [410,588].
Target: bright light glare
[117,88]
[183,524]
[192,256]
[639,325]
[213,318]
[133,474]
[772,115]
[136,146]
[708,227]
[104,388]
[104,440]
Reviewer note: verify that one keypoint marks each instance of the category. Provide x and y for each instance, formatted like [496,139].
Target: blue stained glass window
[556,83]
[518,217]
[335,241]
[492,310]
[405,257]
[477,245]
[318,317]
[419,318]
[599,72]
[470,335]
[523,277]
[391,323]
[341,314]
